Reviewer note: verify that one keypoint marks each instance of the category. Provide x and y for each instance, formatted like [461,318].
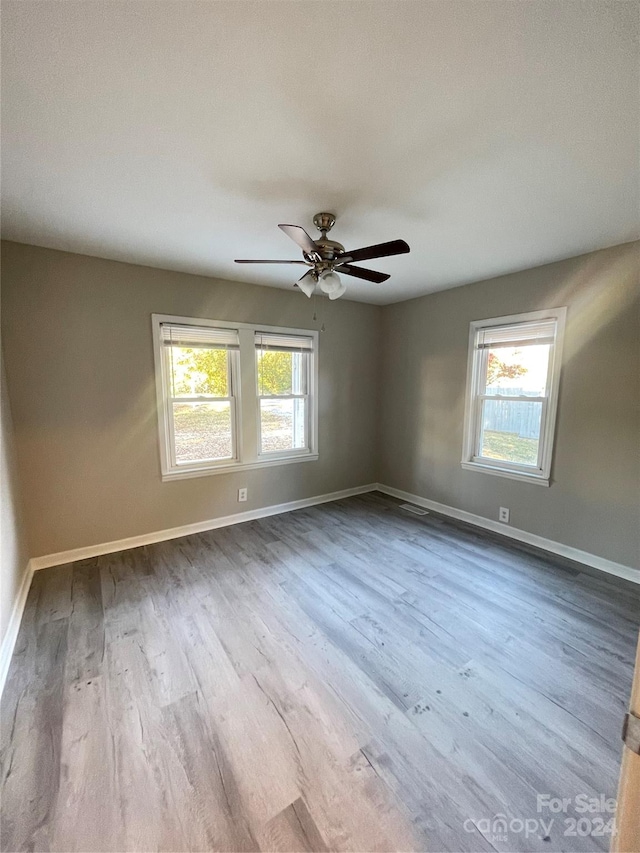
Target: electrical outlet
[242,495]
[503,514]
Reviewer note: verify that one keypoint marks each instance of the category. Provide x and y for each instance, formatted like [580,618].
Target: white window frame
[307,397]
[245,424]
[476,374]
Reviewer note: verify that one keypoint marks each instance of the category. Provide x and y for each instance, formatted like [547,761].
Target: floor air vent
[416,510]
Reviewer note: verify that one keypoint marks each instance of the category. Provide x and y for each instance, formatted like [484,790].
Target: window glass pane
[510,431]
[199,370]
[518,371]
[202,431]
[281,372]
[282,425]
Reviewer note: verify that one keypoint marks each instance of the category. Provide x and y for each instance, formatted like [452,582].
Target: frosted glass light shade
[329,281]
[331,285]
[307,285]
[336,294]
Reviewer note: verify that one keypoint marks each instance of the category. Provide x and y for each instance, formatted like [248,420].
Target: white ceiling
[492,136]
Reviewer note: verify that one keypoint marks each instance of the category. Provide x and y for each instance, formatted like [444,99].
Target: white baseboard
[49,560]
[59,559]
[592,560]
[11,634]
[601,563]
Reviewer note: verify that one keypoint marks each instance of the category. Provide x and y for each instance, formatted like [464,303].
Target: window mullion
[248,398]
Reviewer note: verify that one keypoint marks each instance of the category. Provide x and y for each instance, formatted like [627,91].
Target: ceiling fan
[326,258]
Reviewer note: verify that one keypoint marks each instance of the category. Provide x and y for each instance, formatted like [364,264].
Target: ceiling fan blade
[300,236]
[380,250]
[268,262]
[359,272]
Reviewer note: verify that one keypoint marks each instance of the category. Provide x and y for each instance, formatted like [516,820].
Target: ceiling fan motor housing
[329,249]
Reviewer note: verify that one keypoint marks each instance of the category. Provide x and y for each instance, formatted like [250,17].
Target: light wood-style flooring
[344,677]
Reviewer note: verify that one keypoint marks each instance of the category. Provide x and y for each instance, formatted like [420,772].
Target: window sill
[538,479]
[188,473]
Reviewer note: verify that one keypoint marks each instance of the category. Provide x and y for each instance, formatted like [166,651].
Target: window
[512,393]
[200,366]
[282,371]
[233,396]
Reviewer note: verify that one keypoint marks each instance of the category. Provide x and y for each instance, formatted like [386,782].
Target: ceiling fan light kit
[331,284]
[326,258]
[307,284]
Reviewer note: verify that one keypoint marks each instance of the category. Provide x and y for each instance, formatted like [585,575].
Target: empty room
[320,485]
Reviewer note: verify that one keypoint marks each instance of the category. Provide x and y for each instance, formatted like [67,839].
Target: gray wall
[14,552]
[79,358]
[593,502]
[79,361]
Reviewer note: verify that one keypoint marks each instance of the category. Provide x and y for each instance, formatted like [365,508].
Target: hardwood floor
[345,677]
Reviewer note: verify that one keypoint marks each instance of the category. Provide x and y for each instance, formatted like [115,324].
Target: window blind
[176,335]
[537,332]
[283,343]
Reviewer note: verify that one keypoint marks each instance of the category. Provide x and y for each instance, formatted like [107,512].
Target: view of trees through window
[200,371]
[203,428]
[497,369]
[282,421]
[275,372]
[204,371]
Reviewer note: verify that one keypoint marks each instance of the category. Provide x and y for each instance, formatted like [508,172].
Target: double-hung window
[233,395]
[283,364]
[512,392]
[200,368]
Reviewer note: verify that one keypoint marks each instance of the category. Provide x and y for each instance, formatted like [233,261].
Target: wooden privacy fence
[516,416]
